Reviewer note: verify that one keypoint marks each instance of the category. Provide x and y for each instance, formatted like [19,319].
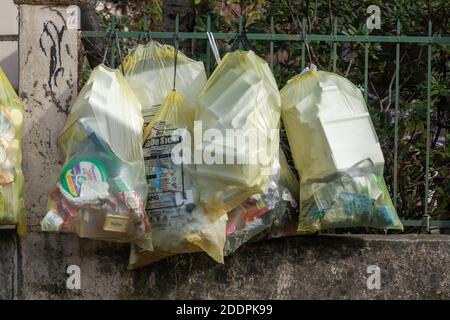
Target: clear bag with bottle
[271,214]
[337,154]
[357,197]
[179,221]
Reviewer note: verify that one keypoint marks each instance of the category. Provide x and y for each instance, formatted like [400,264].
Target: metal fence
[334,38]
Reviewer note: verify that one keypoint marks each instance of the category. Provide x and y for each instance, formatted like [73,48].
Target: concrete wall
[48,86]
[35,267]
[8,49]
[331,267]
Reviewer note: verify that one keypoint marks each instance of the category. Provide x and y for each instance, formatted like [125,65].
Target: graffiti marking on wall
[50,44]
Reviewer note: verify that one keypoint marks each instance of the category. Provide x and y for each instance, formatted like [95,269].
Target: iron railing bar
[208,48]
[423,223]
[303,43]
[427,156]
[280,37]
[397,96]
[366,67]
[175,51]
[334,44]
[240,30]
[145,23]
[113,47]
[272,31]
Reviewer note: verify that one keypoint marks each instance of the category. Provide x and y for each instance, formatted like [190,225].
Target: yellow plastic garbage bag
[179,222]
[288,177]
[101,191]
[239,115]
[149,70]
[12,208]
[332,137]
[200,236]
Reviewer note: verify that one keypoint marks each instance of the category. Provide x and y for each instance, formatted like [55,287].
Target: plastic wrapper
[271,214]
[149,70]
[332,138]
[12,208]
[101,190]
[239,111]
[179,222]
[286,213]
[357,197]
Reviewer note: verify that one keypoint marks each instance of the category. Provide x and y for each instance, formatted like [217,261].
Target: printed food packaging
[179,222]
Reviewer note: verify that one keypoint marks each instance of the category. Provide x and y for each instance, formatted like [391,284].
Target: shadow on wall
[9,61]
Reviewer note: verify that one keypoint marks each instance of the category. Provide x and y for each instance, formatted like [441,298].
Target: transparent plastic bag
[330,132]
[101,190]
[286,213]
[149,70]
[271,214]
[239,111]
[179,222]
[12,207]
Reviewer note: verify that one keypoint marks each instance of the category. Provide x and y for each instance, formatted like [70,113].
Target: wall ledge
[322,267]
[51,2]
